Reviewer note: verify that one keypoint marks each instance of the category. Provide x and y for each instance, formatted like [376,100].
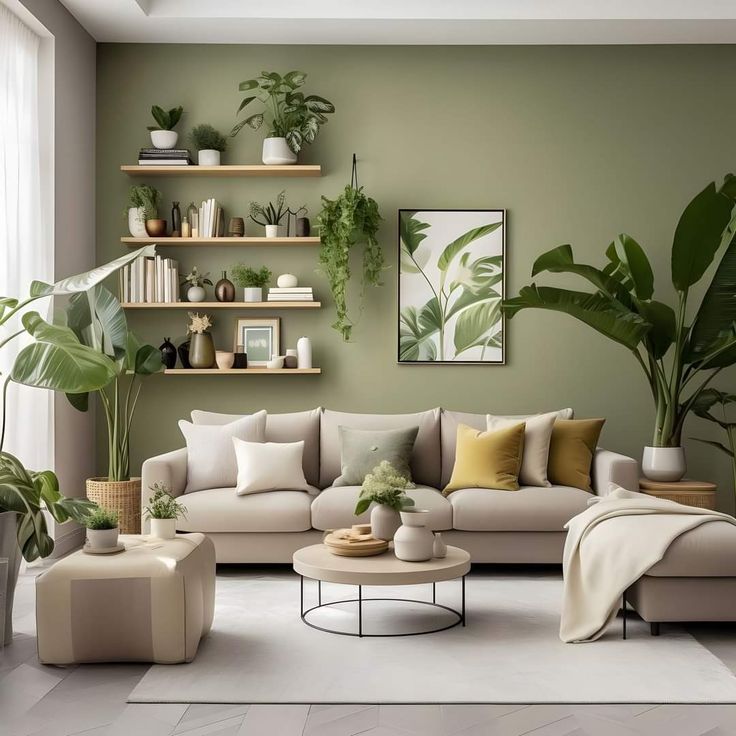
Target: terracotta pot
[156,228]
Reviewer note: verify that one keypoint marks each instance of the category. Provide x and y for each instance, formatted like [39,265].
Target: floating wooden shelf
[238,170]
[178,242]
[240,371]
[223,305]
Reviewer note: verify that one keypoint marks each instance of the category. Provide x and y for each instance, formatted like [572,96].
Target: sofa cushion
[448,433]
[221,510]
[292,427]
[334,507]
[530,509]
[425,462]
[709,550]
[571,452]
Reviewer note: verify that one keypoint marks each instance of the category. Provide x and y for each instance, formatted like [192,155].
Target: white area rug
[260,651]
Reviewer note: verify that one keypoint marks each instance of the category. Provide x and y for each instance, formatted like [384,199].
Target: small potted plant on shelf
[196,281]
[102,529]
[163,134]
[143,201]
[201,345]
[294,119]
[163,510]
[386,488]
[210,143]
[252,281]
[271,215]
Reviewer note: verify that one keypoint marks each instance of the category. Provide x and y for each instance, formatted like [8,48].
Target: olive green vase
[202,351]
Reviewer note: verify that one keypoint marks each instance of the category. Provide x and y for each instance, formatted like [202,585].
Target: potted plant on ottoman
[295,119]
[252,281]
[163,511]
[102,529]
[163,134]
[210,143]
[386,488]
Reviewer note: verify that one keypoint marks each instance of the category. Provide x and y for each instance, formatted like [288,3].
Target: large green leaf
[474,324]
[662,319]
[98,320]
[467,298]
[713,443]
[717,314]
[596,310]
[707,399]
[430,316]
[410,231]
[414,337]
[463,241]
[58,361]
[628,257]
[698,236]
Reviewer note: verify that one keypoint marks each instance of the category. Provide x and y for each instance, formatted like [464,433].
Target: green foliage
[195,278]
[165,119]
[146,196]
[163,505]
[672,353]
[385,486]
[249,278]
[348,221]
[292,115]
[205,137]
[102,518]
[271,214]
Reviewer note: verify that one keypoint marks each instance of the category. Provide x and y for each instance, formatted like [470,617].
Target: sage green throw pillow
[362,449]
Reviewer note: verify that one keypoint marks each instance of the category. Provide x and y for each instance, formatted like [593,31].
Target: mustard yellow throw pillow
[571,451]
[487,459]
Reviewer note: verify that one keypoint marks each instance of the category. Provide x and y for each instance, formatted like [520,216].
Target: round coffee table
[318,563]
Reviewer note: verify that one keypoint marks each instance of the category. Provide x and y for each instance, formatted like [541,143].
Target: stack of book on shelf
[295,294]
[164,157]
[150,280]
[211,223]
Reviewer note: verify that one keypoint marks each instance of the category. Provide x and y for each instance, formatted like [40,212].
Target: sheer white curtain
[25,254]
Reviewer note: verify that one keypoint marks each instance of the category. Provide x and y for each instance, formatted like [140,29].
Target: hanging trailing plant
[349,220]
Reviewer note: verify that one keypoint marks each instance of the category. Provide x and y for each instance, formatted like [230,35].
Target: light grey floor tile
[425,720]
[458,718]
[341,720]
[284,720]
[384,731]
[534,717]
[201,714]
[22,688]
[228,727]
[147,720]
[99,731]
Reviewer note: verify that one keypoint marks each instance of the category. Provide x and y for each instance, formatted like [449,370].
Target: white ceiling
[408,21]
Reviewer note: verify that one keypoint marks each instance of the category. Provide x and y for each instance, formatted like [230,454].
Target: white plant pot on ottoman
[163,528]
[208,157]
[276,152]
[103,538]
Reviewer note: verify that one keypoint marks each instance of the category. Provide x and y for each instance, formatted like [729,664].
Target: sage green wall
[577,143]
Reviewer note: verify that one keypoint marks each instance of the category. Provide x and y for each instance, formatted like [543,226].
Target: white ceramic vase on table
[413,541]
[276,152]
[208,157]
[164,138]
[664,464]
[163,528]
[196,294]
[384,522]
[137,222]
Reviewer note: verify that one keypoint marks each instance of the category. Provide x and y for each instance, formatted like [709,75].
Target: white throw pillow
[270,466]
[210,453]
[537,437]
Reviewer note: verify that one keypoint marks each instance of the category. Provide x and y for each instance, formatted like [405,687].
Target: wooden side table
[689,492]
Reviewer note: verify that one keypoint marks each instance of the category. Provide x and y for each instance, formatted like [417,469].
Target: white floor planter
[252,294]
[102,538]
[666,464]
[164,138]
[208,157]
[276,152]
[137,222]
[163,528]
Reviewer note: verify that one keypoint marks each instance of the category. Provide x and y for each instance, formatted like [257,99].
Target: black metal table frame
[360,600]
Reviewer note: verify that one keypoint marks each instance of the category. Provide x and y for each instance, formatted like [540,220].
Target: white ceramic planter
[103,538]
[274,231]
[196,294]
[384,522]
[208,157]
[224,360]
[666,464]
[252,294]
[163,528]
[413,542]
[137,222]
[164,138]
[276,152]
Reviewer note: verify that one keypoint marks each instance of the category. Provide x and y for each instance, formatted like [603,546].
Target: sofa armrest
[612,467]
[170,469]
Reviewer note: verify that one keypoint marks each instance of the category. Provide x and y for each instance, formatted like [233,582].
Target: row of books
[211,221]
[154,280]
[295,294]
[164,157]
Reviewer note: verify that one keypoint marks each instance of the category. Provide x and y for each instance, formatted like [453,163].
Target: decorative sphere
[287,281]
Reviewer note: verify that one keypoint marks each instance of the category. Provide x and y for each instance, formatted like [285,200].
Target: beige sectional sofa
[524,526]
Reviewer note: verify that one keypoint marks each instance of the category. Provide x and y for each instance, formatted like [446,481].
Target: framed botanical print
[258,338]
[451,284]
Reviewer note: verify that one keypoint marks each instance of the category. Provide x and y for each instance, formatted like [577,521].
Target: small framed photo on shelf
[259,338]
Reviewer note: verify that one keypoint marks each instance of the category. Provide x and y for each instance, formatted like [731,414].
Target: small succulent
[195,278]
[165,119]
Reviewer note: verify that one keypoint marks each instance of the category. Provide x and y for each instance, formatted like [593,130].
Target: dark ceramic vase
[302,227]
[175,221]
[202,350]
[168,353]
[225,289]
[184,354]
[240,361]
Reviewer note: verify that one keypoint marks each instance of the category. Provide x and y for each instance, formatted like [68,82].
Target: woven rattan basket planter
[121,496]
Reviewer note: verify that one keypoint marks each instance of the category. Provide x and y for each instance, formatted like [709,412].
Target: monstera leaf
[476,325]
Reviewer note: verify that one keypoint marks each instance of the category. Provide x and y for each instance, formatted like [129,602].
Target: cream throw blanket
[601,560]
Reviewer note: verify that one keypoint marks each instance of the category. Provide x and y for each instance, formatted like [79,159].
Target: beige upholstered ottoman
[694,581]
[151,603]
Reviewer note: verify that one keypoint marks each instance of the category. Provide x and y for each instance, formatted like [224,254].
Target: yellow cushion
[487,459]
[571,451]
